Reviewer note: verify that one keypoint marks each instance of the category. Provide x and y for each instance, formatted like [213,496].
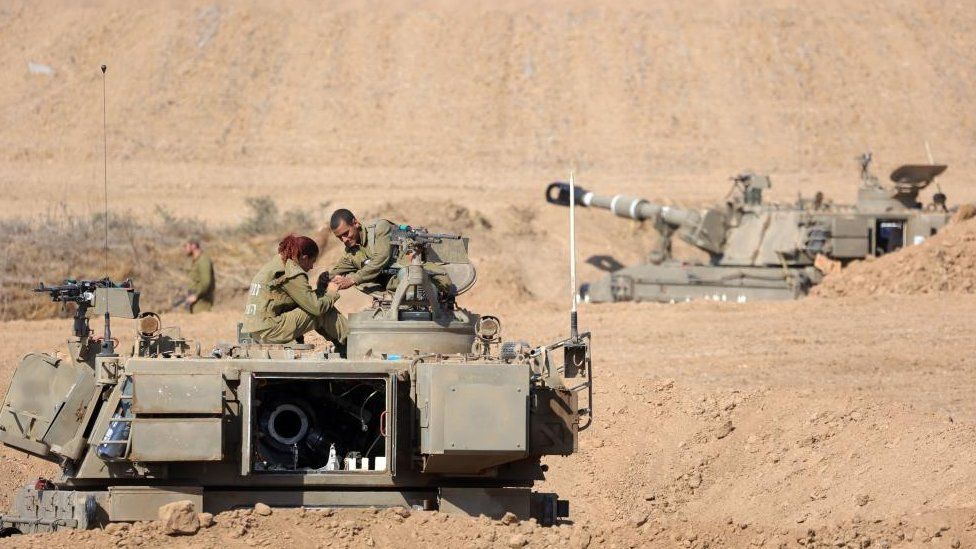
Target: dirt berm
[945,263]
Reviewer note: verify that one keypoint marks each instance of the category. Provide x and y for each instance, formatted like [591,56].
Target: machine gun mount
[95,297]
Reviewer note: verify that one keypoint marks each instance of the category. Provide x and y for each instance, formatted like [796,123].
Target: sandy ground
[826,422]
[851,418]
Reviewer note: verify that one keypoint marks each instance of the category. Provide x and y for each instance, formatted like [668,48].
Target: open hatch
[320,424]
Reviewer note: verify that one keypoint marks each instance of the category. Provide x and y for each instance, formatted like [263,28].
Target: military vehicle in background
[430,409]
[762,250]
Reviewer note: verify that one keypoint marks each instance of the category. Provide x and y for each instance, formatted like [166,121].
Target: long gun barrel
[622,206]
[705,229]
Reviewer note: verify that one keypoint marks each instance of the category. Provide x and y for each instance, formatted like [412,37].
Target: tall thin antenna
[105,162]
[573,329]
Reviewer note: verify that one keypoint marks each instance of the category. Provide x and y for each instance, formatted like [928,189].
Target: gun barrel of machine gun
[72,291]
[439,236]
[78,291]
[631,207]
[418,239]
[420,235]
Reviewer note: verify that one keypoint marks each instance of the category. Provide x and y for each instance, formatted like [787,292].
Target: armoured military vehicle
[762,250]
[430,409]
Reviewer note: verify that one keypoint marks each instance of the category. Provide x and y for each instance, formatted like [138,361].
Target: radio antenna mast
[573,327]
[108,344]
[105,163]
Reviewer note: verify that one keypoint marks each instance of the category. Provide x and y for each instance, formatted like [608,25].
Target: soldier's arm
[298,289]
[343,266]
[379,255]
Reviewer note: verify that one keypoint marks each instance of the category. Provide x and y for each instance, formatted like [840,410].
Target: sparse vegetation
[263,217]
[59,245]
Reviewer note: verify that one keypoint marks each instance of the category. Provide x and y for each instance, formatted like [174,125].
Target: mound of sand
[945,263]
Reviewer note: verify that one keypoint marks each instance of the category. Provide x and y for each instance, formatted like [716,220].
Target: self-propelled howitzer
[407,418]
[762,250]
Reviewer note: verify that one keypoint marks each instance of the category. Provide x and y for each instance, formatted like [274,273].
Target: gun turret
[704,229]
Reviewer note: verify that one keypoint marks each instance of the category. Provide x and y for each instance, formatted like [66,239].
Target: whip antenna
[108,344]
[574,331]
[105,163]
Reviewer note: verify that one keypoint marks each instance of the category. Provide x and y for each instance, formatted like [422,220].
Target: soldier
[282,306]
[200,297]
[369,259]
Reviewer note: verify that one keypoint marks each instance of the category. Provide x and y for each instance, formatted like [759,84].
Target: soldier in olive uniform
[282,306]
[370,255]
[202,284]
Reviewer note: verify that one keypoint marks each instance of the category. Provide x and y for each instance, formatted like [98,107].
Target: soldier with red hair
[282,306]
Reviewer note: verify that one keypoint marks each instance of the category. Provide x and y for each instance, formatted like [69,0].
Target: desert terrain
[845,419]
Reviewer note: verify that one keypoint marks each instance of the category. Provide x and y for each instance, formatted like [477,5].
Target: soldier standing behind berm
[200,298]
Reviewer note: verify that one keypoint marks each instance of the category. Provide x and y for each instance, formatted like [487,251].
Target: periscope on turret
[431,409]
[763,250]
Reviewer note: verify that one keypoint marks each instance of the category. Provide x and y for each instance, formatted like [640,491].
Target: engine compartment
[319,425]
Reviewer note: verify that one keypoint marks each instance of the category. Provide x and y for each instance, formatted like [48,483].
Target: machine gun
[416,251]
[418,241]
[95,297]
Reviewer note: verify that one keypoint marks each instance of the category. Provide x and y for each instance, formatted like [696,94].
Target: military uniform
[202,284]
[369,263]
[282,306]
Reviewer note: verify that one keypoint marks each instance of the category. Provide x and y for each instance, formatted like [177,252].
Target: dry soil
[841,421]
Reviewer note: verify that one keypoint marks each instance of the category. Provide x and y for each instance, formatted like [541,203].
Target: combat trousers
[297,322]
[388,283]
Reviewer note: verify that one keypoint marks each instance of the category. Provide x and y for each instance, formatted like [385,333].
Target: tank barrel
[558,193]
[631,207]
